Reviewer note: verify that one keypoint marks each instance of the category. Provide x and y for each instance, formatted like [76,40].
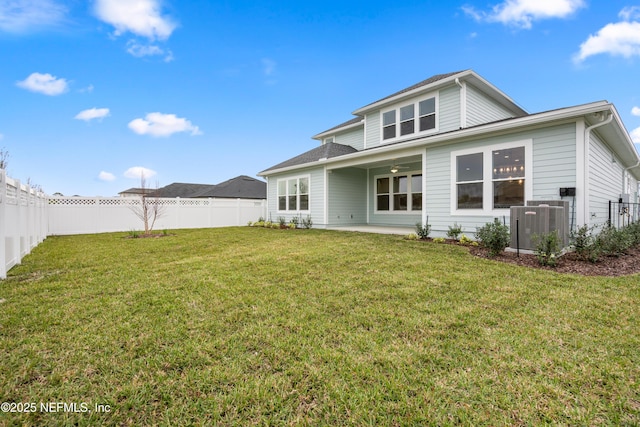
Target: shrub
[494,236]
[585,244]
[547,248]
[307,222]
[454,231]
[282,221]
[267,224]
[423,230]
[134,234]
[275,225]
[294,221]
[439,239]
[412,236]
[466,241]
[614,242]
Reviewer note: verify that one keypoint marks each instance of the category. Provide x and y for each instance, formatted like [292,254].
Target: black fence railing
[622,214]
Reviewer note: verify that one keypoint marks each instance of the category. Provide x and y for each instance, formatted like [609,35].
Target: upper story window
[403,121]
[328,140]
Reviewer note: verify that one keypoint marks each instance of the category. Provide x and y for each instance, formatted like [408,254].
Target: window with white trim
[491,178]
[402,121]
[293,194]
[399,193]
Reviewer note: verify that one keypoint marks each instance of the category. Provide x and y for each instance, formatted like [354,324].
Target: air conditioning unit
[529,221]
[564,239]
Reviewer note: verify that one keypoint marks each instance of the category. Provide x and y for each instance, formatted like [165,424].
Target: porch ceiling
[379,163]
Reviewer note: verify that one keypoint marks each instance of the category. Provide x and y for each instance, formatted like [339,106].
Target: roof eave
[530,120]
[334,131]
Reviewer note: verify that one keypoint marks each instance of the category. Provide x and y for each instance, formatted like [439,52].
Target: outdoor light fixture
[394,169]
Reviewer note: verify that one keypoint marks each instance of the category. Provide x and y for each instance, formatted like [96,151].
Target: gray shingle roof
[241,187]
[426,82]
[325,151]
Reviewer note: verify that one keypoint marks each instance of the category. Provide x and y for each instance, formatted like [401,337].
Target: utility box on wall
[537,218]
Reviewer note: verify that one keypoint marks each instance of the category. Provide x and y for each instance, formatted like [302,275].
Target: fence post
[19,219]
[3,224]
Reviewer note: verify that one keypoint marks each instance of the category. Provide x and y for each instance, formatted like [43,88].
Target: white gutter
[587,144]
[501,126]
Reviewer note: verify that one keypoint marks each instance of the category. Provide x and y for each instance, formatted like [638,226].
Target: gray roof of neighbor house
[240,187]
[325,151]
[134,190]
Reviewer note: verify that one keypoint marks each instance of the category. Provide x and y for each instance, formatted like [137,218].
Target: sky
[95,92]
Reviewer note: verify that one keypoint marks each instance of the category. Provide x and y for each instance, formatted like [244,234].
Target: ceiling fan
[396,167]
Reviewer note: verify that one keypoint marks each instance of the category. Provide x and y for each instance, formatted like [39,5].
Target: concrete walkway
[376,229]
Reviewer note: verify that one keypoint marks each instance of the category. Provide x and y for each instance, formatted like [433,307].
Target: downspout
[587,144]
[463,103]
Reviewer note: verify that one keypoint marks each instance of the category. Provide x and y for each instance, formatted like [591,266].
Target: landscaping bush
[466,241]
[585,244]
[494,236]
[307,222]
[454,231]
[423,230]
[547,248]
[614,242]
[439,240]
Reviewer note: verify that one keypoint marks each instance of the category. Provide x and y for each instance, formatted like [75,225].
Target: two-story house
[454,148]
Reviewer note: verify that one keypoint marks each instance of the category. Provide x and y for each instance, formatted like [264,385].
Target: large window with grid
[293,194]
[399,192]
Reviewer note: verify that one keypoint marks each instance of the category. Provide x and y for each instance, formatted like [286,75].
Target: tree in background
[150,207]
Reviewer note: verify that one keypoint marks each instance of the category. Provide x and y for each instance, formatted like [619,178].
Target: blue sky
[202,91]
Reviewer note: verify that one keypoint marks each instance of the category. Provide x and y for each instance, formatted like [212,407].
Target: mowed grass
[250,326]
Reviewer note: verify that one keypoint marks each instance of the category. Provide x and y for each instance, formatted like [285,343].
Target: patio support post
[424,187]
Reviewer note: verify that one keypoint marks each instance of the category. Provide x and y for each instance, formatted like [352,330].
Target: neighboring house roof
[181,189]
[240,187]
[325,151]
[135,191]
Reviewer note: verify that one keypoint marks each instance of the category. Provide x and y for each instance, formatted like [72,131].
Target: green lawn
[250,326]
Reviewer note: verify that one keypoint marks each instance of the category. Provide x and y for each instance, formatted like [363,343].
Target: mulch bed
[570,263]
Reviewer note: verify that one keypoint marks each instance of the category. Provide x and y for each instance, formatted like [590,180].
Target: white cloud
[106,176]
[92,113]
[635,135]
[44,83]
[522,13]
[617,39]
[140,17]
[137,172]
[159,124]
[140,50]
[635,111]
[20,16]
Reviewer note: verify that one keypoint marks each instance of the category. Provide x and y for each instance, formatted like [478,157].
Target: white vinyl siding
[372,129]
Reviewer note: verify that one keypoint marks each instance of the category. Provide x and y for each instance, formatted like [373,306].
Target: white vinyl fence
[23,221]
[27,216]
[84,215]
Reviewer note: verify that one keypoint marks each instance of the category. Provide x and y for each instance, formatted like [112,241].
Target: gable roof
[134,191]
[325,151]
[439,80]
[426,82]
